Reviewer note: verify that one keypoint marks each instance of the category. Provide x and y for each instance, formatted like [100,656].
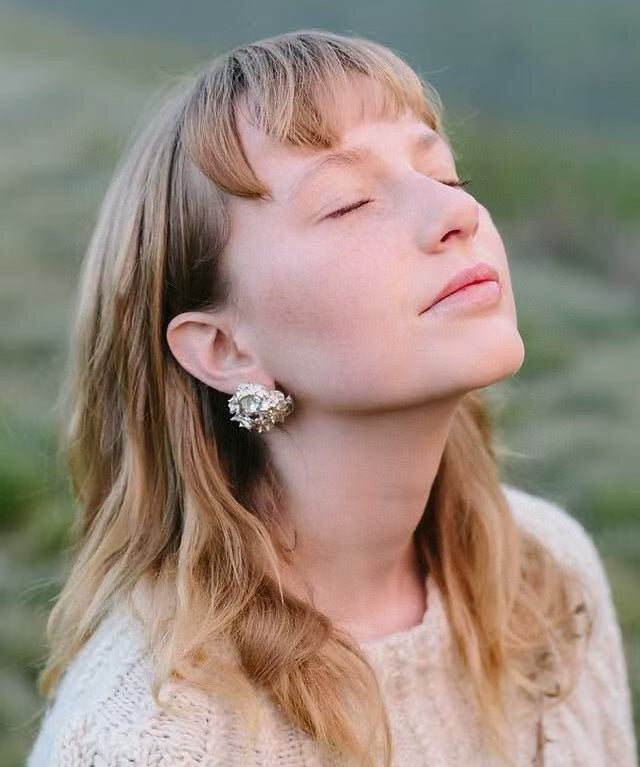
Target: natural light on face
[335,267]
[315,189]
[321,189]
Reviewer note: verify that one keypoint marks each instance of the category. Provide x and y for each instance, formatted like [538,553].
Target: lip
[480,272]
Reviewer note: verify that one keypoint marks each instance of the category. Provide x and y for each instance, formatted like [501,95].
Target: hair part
[180,513]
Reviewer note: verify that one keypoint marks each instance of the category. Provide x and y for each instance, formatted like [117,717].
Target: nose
[453,215]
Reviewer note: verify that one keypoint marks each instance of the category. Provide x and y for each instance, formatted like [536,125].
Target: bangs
[297,88]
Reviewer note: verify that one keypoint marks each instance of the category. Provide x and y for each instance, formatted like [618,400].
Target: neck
[356,489]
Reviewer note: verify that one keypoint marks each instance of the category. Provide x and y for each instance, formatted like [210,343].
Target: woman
[293,546]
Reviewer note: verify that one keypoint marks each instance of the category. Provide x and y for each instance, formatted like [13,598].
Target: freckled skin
[329,309]
[335,303]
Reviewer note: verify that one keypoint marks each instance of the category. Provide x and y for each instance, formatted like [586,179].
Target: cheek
[320,294]
[489,239]
[491,248]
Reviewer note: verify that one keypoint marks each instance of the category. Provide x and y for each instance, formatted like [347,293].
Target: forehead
[360,119]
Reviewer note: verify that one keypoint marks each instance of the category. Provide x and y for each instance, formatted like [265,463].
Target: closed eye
[354,206]
[347,209]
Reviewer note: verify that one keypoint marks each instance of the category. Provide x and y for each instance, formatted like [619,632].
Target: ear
[204,345]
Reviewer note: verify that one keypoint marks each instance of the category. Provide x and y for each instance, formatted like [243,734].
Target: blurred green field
[567,206]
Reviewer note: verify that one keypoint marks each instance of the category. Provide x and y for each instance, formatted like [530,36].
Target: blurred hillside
[567,205]
[574,62]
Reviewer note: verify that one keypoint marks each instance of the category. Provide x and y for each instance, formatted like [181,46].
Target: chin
[495,361]
[505,361]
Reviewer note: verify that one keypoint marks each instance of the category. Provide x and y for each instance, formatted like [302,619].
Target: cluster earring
[257,408]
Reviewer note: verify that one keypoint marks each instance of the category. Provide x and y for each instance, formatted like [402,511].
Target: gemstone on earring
[257,408]
[248,404]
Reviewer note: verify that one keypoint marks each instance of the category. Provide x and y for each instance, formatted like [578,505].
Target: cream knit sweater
[104,716]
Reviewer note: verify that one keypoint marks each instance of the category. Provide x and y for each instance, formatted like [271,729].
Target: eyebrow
[351,158]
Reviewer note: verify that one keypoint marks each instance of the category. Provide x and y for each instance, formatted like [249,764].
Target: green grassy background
[565,201]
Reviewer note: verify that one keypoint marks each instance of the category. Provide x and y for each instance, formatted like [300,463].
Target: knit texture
[103,714]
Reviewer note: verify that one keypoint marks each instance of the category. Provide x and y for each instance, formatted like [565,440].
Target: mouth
[476,275]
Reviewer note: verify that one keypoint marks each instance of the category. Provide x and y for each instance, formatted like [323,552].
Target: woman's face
[331,304]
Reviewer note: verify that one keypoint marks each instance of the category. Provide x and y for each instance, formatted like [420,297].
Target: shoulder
[570,544]
[104,713]
[603,699]
[107,679]
[545,518]
[558,530]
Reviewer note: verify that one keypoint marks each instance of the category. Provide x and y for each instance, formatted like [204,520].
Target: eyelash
[343,211]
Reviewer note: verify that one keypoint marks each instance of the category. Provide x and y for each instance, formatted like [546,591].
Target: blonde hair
[180,511]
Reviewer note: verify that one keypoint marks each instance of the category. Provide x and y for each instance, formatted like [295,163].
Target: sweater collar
[419,644]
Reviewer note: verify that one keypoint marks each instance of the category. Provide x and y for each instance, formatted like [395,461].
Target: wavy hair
[180,512]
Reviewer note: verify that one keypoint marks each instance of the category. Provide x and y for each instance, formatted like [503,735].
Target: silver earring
[257,408]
